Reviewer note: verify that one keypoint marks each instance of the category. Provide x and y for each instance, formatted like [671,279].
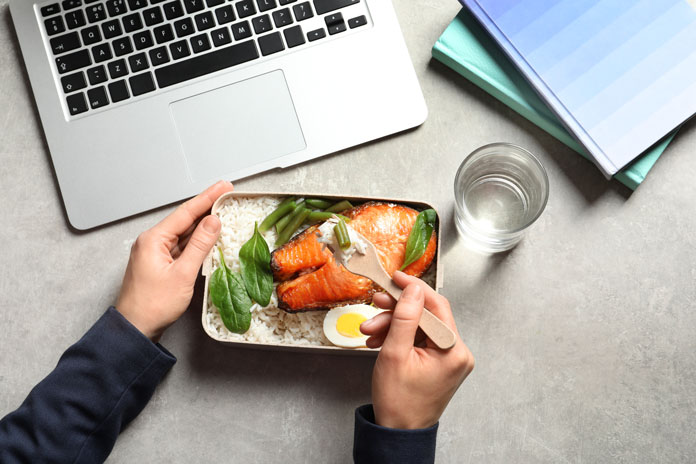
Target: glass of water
[499,190]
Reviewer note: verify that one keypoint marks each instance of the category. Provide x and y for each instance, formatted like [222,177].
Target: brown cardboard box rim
[208,265]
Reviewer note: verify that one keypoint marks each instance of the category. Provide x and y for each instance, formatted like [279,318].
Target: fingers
[187,213]
[378,324]
[404,322]
[198,247]
[384,301]
[436,303]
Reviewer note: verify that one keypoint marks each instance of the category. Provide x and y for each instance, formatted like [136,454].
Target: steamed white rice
[268,324]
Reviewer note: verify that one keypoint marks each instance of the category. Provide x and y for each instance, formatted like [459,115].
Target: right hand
[413,380]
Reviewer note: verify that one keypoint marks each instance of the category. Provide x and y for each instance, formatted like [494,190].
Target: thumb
[198,246]
[404,321]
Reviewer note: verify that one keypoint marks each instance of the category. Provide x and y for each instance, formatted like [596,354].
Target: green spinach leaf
[419,237]
[229,296]
[255,261]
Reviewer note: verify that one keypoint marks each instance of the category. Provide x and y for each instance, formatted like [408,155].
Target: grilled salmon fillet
[311,279]
[329,286]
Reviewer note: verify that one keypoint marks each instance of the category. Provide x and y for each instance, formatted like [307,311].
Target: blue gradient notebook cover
[618,73]
[469,50]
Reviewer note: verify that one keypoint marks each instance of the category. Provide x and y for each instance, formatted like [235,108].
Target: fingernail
[367,324]
[211,224]
[413,292]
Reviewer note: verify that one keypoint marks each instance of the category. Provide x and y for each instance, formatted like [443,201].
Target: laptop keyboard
[108,52]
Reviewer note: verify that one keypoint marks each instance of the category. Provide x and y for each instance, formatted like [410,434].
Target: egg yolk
[348,325]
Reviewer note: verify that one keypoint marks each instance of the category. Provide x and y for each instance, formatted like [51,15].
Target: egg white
[331,320]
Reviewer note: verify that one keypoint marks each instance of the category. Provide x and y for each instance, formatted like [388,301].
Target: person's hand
[413,380]
[164,263]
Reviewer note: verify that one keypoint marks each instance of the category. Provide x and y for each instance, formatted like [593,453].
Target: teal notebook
[468,49]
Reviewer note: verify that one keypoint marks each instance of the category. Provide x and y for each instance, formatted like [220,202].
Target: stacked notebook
[471,50]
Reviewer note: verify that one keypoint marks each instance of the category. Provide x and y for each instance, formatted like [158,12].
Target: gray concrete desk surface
[584,335]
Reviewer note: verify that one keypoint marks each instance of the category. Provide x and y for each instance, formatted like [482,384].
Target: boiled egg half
[342,324]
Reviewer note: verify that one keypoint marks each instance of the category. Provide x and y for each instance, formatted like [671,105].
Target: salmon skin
[310,279]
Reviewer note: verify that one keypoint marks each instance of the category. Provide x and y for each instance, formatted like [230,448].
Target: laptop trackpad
[231,129]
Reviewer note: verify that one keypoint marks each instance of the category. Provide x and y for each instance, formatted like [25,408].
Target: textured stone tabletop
[584,335]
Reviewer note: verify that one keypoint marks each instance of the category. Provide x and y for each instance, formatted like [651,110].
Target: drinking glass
[499,191]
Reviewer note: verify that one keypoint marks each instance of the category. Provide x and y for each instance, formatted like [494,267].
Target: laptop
[147,102]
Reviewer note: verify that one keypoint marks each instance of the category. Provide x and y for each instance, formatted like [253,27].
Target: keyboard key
[200,43]
[179,49]
[245,8]
[163,33]
[241,30]
[294,36]
[316,35]
[357,22]
[204,21]
[116,7]
[224,15]
[335,23]
[70,4]
[221,37]
[97,97]
[153,16]
[90,35]
[76,103]
[118,91]
[138,62]
[214,3]
[136,4]
[73,61]
[282,17]
[287,2]
[173,10]
[112,29]
[201,65]
[326,6]
[271,43]
[73,82]
[49,10]
[143,40]
[122,46]
[117,68]
[75,19]
[265,5]
[193,6]
[96,75]
[262,24]
[159,56]
[54,25]
[95,13]
[303,11]
[132,22]
[142,83]
[184,27]
[65,43]
[101,52]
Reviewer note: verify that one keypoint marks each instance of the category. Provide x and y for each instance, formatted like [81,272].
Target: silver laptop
[147,102]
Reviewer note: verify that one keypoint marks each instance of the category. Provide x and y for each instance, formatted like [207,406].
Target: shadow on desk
[581,173]
[325,376]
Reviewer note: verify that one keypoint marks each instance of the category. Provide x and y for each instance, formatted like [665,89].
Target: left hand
[164,263]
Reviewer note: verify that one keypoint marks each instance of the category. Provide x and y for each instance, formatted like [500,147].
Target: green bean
[340,206]
[280,225]
[284,208]
[317,203]
[341,233]
[291,227]
[317,216]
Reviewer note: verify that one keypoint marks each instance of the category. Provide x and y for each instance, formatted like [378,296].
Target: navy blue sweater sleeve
[99,385]
[376,444]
